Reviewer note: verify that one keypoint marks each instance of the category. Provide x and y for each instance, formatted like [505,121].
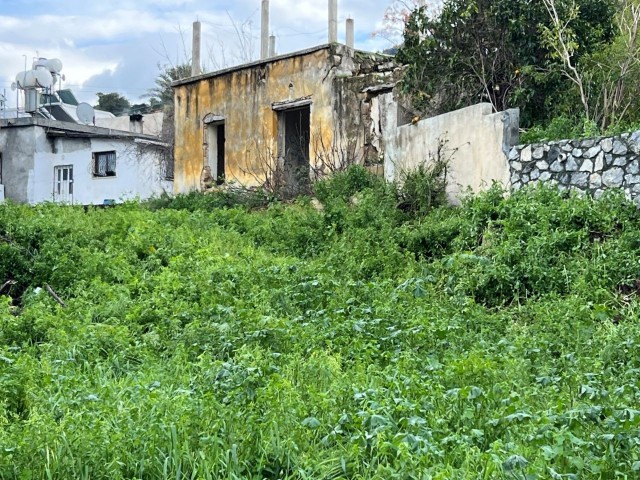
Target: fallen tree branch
[54,295]
[6,284]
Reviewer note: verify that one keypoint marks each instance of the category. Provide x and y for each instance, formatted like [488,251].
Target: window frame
[97,156]
[58,183]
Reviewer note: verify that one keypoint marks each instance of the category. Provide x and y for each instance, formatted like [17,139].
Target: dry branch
[6,284]
[54,295]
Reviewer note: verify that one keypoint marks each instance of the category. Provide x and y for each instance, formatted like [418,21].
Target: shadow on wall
[478,143]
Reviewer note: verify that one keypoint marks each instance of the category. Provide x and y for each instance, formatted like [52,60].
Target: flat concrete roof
[67,129]
[266,61]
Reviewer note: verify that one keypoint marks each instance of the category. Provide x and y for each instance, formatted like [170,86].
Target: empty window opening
[294,139]
[167,163]
[104,164]
[215,150]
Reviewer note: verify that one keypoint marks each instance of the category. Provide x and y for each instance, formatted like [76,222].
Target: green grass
[496,340]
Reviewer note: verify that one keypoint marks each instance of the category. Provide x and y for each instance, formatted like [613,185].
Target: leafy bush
[494,340]
[563,127]
[423,188]
[211,200]
[560,128]
[343,185]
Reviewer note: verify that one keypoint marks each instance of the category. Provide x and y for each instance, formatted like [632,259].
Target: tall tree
[493,50]
[604,80]
[113,102]
[162,95]
[162,90]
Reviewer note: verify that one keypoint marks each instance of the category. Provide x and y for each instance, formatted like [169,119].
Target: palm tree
[168,74]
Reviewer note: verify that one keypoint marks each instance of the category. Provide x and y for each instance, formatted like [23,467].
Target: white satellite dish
[14,86]
[85,113]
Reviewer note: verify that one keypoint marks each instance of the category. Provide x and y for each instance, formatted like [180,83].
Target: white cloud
[117,45]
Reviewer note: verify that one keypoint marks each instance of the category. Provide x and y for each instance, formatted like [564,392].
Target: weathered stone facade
[284,118]
[588,165]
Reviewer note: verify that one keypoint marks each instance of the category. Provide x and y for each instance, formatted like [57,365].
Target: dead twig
[6,284]
[54,295]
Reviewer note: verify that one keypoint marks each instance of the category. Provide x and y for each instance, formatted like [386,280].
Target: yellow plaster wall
[244,98]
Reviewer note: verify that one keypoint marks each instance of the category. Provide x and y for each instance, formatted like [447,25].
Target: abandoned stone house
[284,119]
[294,117]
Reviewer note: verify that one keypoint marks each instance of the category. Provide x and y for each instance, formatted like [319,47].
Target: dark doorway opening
[296,124]
[215,151]
[219,175]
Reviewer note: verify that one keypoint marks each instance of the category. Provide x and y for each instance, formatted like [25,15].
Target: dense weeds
[363,340]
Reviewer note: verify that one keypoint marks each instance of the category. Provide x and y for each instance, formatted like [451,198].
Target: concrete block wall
[588,165]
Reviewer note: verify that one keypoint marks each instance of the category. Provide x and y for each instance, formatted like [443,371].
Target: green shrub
[490,340]
[560,128]
[208,201]
[343,185]
[563,128]
[423,188]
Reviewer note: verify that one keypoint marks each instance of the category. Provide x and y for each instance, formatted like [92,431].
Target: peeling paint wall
[477,144]
[243,98]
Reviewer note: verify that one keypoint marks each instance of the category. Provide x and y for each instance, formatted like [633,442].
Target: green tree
[493,50]
[161,96]
[162,91]
[113,102]
[603,80]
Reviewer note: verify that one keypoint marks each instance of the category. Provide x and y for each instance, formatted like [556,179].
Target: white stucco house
[60,150]
[43,159]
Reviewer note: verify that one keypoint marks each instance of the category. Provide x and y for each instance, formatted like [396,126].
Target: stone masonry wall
[589,165]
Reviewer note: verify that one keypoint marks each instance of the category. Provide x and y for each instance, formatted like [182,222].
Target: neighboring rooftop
[57,128]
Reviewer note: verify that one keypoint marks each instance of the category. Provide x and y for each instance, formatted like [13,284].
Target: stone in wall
[585,165]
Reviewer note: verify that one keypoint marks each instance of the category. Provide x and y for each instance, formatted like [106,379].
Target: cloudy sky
[117,45]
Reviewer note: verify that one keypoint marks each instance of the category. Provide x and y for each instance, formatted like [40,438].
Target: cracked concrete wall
[17,146]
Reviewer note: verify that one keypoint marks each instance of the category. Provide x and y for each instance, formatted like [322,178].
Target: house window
[104,164]
[167,163]
[63,183]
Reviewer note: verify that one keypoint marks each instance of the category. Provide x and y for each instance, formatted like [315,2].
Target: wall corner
[511,126]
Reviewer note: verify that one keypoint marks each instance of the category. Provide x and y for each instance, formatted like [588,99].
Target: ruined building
[284,119]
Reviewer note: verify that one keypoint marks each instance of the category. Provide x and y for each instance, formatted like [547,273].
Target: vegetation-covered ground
[496,340]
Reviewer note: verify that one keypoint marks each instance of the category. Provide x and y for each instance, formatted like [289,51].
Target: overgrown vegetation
[556,60]
[495,340]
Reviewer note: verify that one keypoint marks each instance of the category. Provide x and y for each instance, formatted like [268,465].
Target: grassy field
[205,341]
